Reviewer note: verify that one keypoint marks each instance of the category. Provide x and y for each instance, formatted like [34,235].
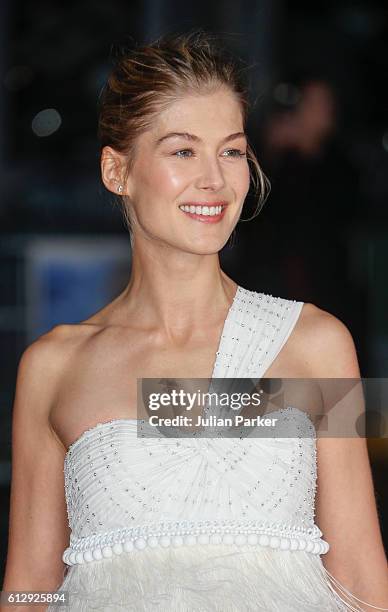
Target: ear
[112,170]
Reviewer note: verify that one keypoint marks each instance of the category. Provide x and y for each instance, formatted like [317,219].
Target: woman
[161,523]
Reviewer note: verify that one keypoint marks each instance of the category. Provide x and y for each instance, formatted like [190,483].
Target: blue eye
[235,153]
[183,151]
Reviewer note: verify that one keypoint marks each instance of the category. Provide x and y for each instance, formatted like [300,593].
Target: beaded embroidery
[125,492]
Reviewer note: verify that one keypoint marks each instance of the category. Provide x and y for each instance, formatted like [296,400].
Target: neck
[177,300]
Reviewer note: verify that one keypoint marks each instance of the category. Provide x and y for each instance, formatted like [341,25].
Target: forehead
[207,115]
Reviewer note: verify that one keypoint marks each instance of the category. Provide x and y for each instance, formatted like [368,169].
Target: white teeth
[209,211]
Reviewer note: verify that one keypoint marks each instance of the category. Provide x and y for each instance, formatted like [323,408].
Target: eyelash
[239,153]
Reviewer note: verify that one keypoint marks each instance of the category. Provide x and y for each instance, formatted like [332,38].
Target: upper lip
[222,203]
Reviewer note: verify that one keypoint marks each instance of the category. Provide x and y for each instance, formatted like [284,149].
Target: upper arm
[345,504]
[38,528]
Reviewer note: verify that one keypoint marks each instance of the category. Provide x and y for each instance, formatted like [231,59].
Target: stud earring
[120,188]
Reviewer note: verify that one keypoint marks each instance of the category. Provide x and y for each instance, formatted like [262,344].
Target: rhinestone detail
[116,475]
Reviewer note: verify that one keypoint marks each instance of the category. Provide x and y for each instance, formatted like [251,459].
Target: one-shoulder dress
[202,524]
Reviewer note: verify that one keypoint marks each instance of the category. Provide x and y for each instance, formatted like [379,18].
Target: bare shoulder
[45,359]
[326,344]
[50,349]
[40,357]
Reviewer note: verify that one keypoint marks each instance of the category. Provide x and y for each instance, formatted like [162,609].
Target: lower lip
[206,218]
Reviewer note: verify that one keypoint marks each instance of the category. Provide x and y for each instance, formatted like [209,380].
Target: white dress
[201,524]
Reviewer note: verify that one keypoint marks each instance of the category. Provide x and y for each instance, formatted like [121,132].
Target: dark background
[321,236]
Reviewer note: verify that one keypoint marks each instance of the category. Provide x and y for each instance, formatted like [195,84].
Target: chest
[102,382]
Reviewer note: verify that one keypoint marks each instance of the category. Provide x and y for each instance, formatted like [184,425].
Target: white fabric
[201,523]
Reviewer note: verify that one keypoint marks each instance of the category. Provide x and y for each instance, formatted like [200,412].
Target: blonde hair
[145,80]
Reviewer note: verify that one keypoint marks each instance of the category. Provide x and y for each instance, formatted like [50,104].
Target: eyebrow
[193,138]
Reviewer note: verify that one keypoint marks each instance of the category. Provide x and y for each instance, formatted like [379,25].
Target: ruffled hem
[213,578]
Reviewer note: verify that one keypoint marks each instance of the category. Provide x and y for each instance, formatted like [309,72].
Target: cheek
[156,189]
[174,179]
[168,179]
[241,181]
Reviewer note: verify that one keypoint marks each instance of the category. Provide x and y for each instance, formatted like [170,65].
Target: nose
[211,175]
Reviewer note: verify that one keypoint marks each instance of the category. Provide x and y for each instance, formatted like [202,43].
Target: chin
[208,246]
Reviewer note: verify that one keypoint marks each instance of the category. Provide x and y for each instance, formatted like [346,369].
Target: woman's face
[194,156]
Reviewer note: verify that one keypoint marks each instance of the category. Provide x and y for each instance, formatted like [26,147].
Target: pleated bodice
[149,513]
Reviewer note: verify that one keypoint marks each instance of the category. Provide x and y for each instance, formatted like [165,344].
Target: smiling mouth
[204,212]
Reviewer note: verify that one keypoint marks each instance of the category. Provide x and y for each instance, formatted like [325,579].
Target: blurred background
[319,126]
